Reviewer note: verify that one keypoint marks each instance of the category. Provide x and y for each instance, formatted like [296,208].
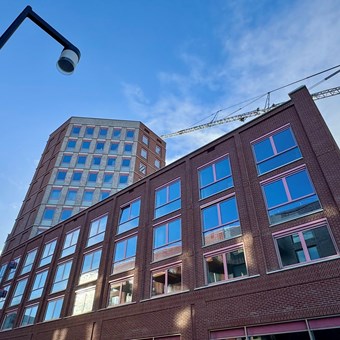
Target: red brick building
[237,240]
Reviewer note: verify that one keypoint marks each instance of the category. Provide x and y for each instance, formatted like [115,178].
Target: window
[92,178]
[102,133]
[48,252]
[75,131]
[157,163]
[144,153]
[158,150]
[89,271]
[3,299]
[127,149]
[84,301]
[107,179]
[53,309]
[97,231]
[103,195]
[100,146]
[111,162]
[48,216]
[220,221]
[166,281]
[114,147]
[66,160]
[71,196]
[54,195]
[70,243]
[290,196]
[76,177]
[85,145]
[13,265]
[129,216]
[89,131]
[125,253]
[29,315]
[96,161]
[215,177]
[87,198]
[116,133]
[275,150]
[130,134]
[81,161]
[168,199]
[125,164]
[120,292]
[227,265]
[304,245]
[71,144]
[65,214]
[142,168]
[61,277]
[145,140]
[38,285]
[29,260]
[61,175]
[123,180]
[18,292]
[167,240]
[9,320]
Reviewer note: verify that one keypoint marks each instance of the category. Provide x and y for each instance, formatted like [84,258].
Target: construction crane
[243,116]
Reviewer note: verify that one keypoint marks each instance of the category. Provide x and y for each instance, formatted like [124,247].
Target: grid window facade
[54,195]
[275,150]
[85,145]
[65,214]
[167,240]
[129,216]
[84,301]
[168,199]
[89,131]
[96,161]
[97,231]
[61,175]
[127,149]
[226,265]
[71,144]
[130,134]
[215,177]
[100,146]
[102,133]
[116,133]
[18,292]
[220,221]
[71,196]
[114,147]
[290,196]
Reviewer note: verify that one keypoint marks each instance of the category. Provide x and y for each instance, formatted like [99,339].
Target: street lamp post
[70,55]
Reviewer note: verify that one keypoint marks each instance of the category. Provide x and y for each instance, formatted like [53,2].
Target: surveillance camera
[68,61]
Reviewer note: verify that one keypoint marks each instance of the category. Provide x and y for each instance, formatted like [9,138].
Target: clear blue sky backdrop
[168,63]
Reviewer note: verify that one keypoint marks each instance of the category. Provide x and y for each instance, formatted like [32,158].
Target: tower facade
[85,161]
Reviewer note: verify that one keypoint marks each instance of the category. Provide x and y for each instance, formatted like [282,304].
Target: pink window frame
[299,230]
[213,165]
[166,223]
[124,239]
[128,205]
[223,252]
[167,186]
[164,268]
[218,203]
[272,143]
[283,177]
[120,283]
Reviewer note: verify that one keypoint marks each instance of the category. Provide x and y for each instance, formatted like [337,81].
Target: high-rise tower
[85,160]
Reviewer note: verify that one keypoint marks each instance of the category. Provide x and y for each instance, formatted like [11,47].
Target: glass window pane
[161,197]
[236,264]
[263,150]
[159,236]
[299,185]
[215,268]
[222,168]
[210,217]
[206,176]
[290,249]
[275,193]
[174,230]
[131,246]
[284,140]
[175,190]
[228,211]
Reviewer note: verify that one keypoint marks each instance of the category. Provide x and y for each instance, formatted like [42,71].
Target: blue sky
[168,63]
